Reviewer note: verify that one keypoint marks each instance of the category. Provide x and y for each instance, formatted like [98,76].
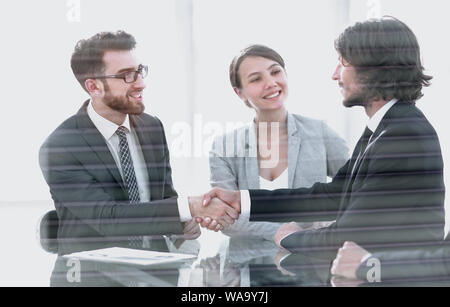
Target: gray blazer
[315,151]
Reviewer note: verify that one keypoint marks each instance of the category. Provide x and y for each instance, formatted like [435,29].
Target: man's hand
[285,230]
[348,260]
[220,213]
[232,198]
[191,230]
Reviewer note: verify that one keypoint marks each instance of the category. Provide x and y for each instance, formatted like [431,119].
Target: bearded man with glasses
[108,166]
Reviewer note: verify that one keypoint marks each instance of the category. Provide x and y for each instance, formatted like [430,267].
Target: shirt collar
[375,120]
[105,127]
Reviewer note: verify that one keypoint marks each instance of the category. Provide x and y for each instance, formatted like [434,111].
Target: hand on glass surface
[348,260]
[285,230]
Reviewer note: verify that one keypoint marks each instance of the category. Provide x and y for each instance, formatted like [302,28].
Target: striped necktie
[127,166]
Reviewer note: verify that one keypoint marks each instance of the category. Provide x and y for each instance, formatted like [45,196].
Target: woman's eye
[275,72]
[254,80]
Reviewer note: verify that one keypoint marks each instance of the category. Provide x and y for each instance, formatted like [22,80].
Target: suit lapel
[98,144]
[392,115]
[294,141]
[251,156]
[148,147]
[363,145]
[350,177]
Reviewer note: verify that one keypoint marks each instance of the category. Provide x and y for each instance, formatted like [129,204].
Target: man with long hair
[391,191]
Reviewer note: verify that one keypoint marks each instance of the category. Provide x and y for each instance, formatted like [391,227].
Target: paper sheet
[129,256]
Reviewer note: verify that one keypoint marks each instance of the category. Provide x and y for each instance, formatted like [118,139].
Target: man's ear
[93,87]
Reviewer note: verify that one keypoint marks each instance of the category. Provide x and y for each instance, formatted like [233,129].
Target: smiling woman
[278,149]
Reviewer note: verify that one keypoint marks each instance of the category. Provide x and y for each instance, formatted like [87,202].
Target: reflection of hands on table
[337,281]
[211,271]
[277,260]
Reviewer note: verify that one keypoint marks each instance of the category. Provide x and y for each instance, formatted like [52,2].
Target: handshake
[216,209]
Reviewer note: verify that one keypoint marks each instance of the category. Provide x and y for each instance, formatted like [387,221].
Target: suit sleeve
[396,197]
[417,263]
[320,202]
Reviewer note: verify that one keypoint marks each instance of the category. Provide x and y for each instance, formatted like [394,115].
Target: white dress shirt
[108,130]
[375,120]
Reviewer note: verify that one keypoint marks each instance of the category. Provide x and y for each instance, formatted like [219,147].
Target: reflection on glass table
[240,262]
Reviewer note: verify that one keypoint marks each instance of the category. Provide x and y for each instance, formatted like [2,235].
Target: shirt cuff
[183,208]
[245,205]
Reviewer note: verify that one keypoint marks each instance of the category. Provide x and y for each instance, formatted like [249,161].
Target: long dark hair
[386,56]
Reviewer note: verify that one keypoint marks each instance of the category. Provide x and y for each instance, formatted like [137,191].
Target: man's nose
[139,83]
[337,72]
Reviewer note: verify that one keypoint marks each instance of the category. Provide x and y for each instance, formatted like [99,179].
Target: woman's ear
[239,93]
[242,96]
[93,87]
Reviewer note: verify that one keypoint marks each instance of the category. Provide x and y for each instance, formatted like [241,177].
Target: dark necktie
[363,142]
[127,166]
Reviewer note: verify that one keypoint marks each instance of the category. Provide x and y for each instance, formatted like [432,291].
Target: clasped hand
[216,209]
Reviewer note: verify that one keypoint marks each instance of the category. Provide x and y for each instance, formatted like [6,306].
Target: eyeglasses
[129,76]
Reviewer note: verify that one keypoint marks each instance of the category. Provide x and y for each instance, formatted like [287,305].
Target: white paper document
[129,256]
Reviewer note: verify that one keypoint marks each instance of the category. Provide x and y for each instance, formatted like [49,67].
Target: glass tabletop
[35,257]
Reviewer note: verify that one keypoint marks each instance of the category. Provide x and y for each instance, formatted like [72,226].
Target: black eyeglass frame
[142,70]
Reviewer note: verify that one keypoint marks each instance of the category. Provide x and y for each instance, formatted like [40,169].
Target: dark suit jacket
[88,191]
[395,196]
[426,262]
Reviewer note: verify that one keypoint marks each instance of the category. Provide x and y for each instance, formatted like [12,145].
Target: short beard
[121,103]
[355,100]
[360,98]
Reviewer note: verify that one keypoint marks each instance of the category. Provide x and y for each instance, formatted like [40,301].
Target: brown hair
[386,56]
[251,51]
[87,58]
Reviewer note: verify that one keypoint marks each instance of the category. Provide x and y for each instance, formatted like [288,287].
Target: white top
[281,182]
